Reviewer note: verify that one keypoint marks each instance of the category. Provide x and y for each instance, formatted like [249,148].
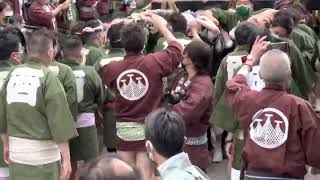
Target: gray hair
[275,66]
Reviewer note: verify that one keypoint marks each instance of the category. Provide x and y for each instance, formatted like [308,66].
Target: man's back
[137,81]
[30,98]
[275,123]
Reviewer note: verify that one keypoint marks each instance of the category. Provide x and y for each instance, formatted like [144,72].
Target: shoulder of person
[176,173]
[203,80]
[63,67]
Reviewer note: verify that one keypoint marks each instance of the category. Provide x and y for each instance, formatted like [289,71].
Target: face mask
[275,38]
[243,11]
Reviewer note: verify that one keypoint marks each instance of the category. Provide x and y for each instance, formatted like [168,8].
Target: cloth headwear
[93,30]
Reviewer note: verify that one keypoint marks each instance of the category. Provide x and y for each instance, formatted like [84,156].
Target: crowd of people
[158,94]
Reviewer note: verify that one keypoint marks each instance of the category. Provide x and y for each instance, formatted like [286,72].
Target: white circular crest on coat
[266,135]
[132,84]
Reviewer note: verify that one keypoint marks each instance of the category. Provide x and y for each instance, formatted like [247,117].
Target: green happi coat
[91,96]
[304,43]
[315,59]
[68,82]
[33,106]
[223,116]
[5,68]
[113,55]
[181,38]
[95,54]
[109,120]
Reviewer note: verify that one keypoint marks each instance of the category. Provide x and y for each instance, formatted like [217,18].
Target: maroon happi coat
[196,109]
[281,131]
[137,82]
[40,17]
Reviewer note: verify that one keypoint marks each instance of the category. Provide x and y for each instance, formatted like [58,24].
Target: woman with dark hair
[192,97]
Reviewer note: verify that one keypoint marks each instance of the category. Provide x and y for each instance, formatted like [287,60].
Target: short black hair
[178,22]
[40,41]
[114,35]
[133,37]
[289,13]
[102,168]
[166,131]
[90,36]
[71,46]
[285,21]
[200,54]
[243,31]
[10,42]
[258,32]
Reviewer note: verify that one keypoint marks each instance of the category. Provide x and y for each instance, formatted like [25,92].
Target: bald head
[275,67]
[109,167]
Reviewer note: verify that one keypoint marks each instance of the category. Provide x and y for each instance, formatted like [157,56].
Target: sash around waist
[33,152]
[130,131]
[252,175]
[85,120]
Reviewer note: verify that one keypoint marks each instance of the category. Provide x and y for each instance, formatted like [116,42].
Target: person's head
[10,46]
[177,22]
[72,49]
[114,35]
[6,13]
[243,31]
[197,57]
[40,46]
[94,33]
[299,10]
[283,24]
[109,167]
[275,68]
[165,134]
[244,8]
[133,38]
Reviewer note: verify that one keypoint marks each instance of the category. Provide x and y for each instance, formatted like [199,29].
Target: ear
[260,75]
[15,57]
[184,141]
[149,146]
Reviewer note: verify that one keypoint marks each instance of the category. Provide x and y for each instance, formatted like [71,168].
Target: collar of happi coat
[179,35]
[117,51]
[71,62]
[180,161]
[240,48]
[132,54]
[6,63]
[274,87]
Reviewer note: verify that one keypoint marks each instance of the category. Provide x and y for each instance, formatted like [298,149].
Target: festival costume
[137,83]
[34,113]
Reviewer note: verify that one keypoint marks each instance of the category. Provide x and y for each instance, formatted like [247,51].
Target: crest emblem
[132,84]
[269,128]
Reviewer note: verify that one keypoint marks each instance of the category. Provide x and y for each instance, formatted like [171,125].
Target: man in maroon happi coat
[281,131]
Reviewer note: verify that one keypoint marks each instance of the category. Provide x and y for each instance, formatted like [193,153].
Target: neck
[44,60]
[159,159]
[279,84]
[73,59]
[191,72]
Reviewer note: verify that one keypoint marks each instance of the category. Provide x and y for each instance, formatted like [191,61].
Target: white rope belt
[33,152]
